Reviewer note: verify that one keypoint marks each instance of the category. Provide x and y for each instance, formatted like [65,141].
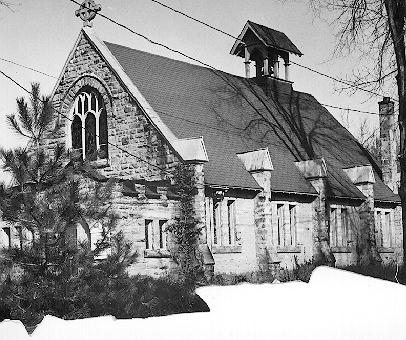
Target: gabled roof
[269,37]
[189,149]
[234,115]
[274,38]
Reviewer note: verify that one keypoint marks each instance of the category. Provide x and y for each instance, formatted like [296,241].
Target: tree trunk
[396,19]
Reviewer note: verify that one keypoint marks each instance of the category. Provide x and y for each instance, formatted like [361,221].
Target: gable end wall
[128,126]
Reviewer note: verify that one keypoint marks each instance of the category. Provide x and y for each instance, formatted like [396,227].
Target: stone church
[278,177]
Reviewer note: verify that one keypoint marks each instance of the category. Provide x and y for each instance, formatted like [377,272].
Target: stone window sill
[386,250]
[226,249]
[156,253]
[341,249]
[289,249]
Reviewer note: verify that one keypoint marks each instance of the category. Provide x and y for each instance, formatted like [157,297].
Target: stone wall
[128,127]
[242,258]
[393,254]
[130,130]
[245,258]
[305,218]
[133,212]
[347,254]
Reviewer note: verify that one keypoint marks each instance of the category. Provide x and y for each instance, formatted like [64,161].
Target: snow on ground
[334,305]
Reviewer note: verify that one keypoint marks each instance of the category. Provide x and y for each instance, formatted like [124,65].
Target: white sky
[40,34]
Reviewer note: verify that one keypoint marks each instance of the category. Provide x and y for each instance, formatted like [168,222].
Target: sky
[41,33]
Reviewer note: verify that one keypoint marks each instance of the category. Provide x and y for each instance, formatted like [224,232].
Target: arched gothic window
[88,130]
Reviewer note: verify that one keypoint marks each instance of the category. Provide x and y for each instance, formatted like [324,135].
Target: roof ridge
[270,28]
[201,66]
[176,60]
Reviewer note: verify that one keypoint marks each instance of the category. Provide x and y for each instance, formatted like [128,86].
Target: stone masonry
[257,244]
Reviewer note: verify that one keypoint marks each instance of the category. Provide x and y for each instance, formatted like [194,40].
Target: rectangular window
[162,234]
[333,227]
[8,236]
[149,243]
[286,224]
[230,222]
[281,221]
[378,227]
[216,223]
[345,227]
[155,235]
[222,213]
[383,228]
[388,224]
[340,230]
[293,227]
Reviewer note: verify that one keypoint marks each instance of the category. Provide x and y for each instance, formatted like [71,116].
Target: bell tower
[265,47]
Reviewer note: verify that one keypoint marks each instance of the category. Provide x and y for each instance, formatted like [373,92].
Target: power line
[348,109]
[162,112]
[187,56]
[71,120]
[338,80]
[194,19]
[145,37]
[327,105]
[27,67]
[297,64]
[211,127]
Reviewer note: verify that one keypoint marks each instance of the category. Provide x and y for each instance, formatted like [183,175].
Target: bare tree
[375,29]
[8,5]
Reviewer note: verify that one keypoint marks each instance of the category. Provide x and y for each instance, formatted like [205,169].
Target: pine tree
[49,199]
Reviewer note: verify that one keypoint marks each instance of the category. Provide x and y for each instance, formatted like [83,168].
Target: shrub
[389,272]
[227,279]
[301,272]
[123,297]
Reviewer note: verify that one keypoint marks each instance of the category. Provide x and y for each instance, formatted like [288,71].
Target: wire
[189,57]
[348,109]
[71,120]
[197,20]
[339,80]
[28,68]
[145,37]
[156,43]
[327,105]
[297,64]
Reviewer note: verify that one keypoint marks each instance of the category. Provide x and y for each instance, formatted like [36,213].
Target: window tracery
[88,130]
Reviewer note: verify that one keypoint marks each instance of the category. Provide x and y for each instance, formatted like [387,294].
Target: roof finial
[87,12]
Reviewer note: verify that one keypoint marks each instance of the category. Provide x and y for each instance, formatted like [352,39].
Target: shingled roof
[236,115]
[274,38]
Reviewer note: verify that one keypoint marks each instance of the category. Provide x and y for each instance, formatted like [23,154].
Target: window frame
[342,236]
[156,238]
[383,212]
[223,235]
[282,226]
[89,96]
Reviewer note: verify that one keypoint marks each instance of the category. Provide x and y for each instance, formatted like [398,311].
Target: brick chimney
[388,147]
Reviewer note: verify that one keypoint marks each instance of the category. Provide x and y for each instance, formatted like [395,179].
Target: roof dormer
[265,46]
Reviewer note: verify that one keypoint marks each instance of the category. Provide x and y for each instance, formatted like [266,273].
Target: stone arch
[88,84]
[83,81]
